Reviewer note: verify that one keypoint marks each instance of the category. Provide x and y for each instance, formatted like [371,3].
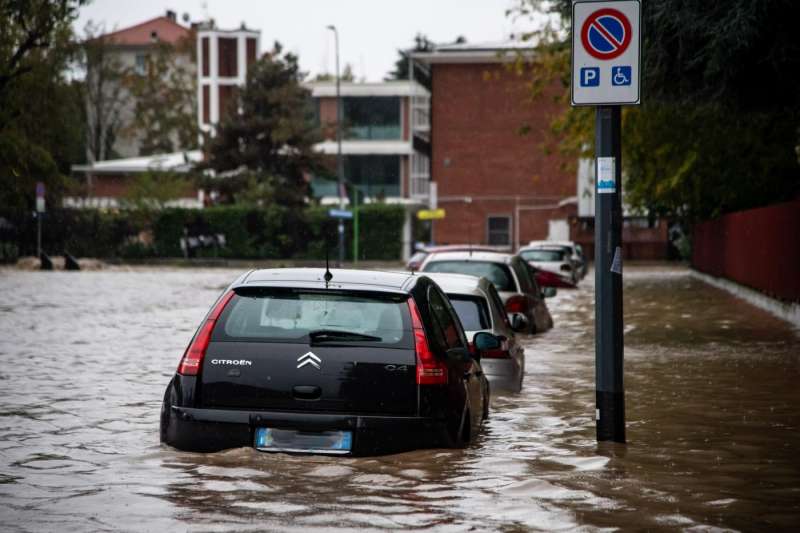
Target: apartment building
[385,138]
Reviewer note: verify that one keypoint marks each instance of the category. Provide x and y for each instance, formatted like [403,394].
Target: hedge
[272,232]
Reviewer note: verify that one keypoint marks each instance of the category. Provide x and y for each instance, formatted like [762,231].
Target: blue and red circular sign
[606,34]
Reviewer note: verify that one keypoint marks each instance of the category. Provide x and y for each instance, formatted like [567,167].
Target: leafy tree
[103,92]
[268,133]
[40,120]
[165,101]
[347,74]
[400,72]
[718,130]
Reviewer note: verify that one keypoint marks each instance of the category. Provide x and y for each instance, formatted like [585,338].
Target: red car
[550,279]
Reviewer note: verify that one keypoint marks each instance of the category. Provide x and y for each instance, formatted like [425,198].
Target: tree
[40,121]
[268,133]
[400,72]
[718,129]
[347,74]
[165,99]
[103,92]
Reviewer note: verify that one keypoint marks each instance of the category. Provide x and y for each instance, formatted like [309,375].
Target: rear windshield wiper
[333,335]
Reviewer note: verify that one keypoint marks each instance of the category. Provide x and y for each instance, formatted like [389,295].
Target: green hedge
[272,232]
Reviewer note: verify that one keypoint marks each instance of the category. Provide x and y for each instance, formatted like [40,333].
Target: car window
[497,273]
[498,303]
[472,311]
[444,318]
[523,275]
[288,316]
[542,255]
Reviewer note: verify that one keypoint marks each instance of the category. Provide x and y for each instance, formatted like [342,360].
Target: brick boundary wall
[758,248]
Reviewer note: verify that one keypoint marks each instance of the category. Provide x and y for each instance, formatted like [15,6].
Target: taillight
[516,304]
[430,371]
[194,354]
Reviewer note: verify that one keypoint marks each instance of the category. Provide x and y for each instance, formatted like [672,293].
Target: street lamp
[339,162]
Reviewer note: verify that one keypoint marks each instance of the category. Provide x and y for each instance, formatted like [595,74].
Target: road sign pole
[610,391]
[355,225]
[38,234]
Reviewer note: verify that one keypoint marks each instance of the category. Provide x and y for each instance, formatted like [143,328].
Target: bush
[272,232]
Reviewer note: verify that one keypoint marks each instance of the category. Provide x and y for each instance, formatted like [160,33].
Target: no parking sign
[605,52]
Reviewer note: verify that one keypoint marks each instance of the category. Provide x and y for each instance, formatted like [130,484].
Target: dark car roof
[347,279]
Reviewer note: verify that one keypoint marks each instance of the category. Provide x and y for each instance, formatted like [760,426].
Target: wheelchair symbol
[621,75]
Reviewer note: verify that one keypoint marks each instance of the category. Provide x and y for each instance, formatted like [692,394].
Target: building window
[204,50]
[499,230]
[227,49]
[141,64]
[371,118]
[206,104]
[251,50]
[376,176]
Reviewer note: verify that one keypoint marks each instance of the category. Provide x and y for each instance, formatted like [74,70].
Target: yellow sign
[430,214]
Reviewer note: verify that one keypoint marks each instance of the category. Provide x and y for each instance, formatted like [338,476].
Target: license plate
[290,440]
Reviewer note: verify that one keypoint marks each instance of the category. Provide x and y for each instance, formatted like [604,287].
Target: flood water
[712,404]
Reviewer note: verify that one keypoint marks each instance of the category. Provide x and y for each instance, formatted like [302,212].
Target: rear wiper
[332,335]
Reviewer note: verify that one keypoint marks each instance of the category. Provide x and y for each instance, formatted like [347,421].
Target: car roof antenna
[328,276]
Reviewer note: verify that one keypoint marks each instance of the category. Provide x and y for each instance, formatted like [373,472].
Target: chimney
[171,15]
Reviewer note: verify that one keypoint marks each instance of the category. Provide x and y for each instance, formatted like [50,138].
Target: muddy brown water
[712,400]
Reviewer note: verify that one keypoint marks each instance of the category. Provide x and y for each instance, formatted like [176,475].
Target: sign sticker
[605,175]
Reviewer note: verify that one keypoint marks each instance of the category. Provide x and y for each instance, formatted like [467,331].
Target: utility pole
[610,390]
[606,70]
[339,161]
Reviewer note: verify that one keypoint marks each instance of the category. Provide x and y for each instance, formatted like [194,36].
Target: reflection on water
[711,400]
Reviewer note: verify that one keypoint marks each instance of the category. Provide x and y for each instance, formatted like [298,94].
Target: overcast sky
[370,31]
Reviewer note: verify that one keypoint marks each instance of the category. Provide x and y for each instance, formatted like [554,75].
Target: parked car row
[356,362]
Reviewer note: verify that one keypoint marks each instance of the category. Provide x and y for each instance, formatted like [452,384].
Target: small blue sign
[621,75]
[340,213]
[590,76]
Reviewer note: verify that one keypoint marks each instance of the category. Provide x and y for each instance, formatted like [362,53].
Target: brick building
[494,181]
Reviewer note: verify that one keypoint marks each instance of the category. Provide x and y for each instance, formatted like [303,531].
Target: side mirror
[519,322]
[484,341]
[549,292]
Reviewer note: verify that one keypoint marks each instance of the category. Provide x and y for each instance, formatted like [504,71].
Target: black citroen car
[340,362]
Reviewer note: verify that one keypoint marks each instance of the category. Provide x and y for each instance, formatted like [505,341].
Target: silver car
[521,295]
[479,308]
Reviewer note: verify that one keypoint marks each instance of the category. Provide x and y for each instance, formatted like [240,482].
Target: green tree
[400,72]
[718,129]
[40,119]
[268,134]
[166,98]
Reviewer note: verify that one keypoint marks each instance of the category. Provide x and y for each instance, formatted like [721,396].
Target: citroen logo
[308,359]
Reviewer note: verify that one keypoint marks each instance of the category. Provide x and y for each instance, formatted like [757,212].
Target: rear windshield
[497,273]
[290,315]
[471,310]
[543,255]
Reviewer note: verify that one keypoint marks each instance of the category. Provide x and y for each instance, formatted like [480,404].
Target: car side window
[497,302]
[444,316]
[523,276]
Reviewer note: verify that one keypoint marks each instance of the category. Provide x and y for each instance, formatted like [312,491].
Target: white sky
[370,31]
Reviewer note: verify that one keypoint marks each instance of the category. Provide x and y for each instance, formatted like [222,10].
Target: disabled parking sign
[606,63]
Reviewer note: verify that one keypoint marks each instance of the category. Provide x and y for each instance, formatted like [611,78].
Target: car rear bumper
[207,430]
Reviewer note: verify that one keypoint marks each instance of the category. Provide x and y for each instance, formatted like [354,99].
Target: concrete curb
[789,312]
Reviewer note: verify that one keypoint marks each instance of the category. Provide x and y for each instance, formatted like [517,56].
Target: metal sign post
[39,215]
[605,72]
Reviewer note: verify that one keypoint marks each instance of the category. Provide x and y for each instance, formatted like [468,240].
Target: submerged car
[510,276]
[480,308]
[575,252]
[555,259]
[337,362]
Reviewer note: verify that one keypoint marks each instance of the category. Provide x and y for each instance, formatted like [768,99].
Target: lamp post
[339,162]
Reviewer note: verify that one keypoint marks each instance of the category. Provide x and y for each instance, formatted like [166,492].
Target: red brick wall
[759,248]
[327,117]
[477,112]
